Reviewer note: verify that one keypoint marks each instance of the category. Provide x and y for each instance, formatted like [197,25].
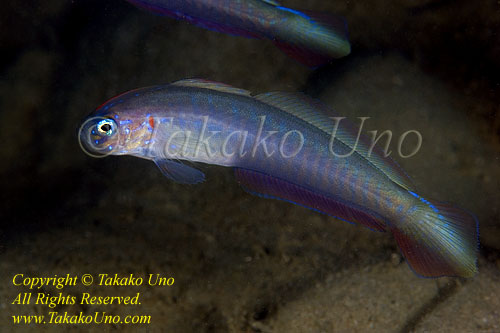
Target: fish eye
[106,127]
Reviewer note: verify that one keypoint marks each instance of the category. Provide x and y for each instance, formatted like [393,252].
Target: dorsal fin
[212,85]
[315,113]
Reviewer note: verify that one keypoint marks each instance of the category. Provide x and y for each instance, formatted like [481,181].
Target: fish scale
[436,239]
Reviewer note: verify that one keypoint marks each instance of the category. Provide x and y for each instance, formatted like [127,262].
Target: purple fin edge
[271,187]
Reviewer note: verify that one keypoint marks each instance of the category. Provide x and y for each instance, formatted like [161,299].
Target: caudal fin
[439,240]
[322,39]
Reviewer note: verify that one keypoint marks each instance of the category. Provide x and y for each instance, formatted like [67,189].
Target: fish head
[117,130]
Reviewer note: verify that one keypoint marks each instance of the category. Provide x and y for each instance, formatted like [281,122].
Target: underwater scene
[250,166]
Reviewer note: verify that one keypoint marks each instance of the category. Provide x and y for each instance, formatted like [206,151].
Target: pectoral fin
[179,172]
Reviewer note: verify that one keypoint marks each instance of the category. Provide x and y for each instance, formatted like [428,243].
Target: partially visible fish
[281,147]
[309,37]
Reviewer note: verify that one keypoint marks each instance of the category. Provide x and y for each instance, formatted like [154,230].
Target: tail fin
[316,43]
[439,240]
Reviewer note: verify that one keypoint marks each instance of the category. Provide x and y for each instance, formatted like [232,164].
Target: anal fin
[271,187]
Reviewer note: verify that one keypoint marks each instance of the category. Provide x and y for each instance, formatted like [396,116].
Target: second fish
[309,37]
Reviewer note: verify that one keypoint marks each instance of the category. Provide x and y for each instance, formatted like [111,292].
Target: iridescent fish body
[281,147]
[311,38]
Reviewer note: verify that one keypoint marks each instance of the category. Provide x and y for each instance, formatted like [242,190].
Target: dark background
[243,263]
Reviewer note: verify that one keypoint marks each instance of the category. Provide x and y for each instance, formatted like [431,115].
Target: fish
[284,146]
[311,38]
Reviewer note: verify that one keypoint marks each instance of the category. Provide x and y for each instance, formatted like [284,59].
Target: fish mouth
[92,142]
